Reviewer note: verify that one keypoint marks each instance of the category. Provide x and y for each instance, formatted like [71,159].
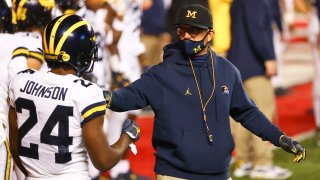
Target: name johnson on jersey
[35,89]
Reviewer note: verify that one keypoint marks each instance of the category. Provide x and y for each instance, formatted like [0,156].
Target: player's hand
[131,128]
[108,97]
[293,147]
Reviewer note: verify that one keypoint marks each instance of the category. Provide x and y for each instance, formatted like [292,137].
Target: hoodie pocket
[201,156]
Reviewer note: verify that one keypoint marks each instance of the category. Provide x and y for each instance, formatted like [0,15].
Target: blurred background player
[22,49]
[131,11]
[154,35]
[29,18]
[254,156]
[314,40]
[126,68]
[64,123]
[6,46]
[280,42]
[130,49]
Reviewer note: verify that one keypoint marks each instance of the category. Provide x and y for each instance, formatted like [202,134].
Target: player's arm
[33,63]
[114,24]
[103,155]
[19,62]
[14,140]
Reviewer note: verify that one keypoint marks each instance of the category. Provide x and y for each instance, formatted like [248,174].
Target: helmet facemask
[85,62]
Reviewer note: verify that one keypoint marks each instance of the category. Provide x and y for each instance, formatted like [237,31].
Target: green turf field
[308,169]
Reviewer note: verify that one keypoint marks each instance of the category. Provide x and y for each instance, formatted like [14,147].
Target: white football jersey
[131,31]
[15,49]
[7,45]
[51,110]
[97,20]
[131,34]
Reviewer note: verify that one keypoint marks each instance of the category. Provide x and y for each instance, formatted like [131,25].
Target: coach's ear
[108,97]
[210,35]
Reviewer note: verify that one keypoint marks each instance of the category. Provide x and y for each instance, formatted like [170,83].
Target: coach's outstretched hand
[108,97]
[131,128]
[293,147]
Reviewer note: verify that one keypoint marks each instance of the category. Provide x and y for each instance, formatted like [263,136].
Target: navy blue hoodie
[179,138]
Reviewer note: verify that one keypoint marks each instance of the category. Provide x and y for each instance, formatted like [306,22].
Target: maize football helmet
[6,25]
[70,39]
[69,6]
[31,13]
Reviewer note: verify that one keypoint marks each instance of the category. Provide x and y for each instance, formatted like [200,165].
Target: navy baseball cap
[195,15]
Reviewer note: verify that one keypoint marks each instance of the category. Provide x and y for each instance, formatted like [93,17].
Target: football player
[6,45]
[29,17]
[93,12]
[56,117]
[23,48]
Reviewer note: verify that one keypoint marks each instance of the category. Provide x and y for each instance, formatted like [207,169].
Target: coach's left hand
[293,147]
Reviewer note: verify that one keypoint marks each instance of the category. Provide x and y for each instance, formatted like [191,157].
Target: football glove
[108,97]
[293,147]
[131,128]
